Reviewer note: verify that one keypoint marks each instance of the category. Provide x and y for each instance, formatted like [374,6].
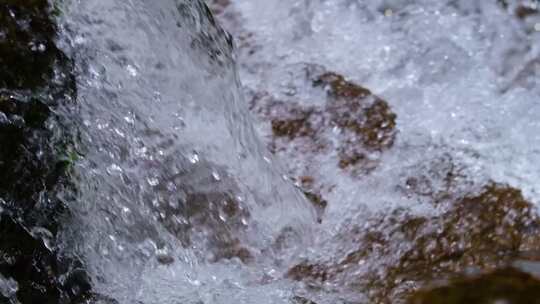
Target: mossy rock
[507,285]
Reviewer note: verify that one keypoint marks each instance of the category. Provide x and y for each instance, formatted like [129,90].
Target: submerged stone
[209,217]
[400,252]
[364,123]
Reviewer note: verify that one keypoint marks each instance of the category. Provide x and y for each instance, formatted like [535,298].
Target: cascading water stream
[171,175]
[341,151]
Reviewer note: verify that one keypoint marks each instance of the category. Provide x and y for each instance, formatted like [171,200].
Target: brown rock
[508,285]
[485,231]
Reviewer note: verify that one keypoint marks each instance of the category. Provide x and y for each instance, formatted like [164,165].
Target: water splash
[172,184]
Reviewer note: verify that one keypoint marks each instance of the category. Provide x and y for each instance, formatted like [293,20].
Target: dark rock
[41,275]
[35,79]
[309,272]
[523,11]
[317,201]
[507,285]
[27,49]
[301,300]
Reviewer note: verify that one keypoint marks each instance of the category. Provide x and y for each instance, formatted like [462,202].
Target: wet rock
[309,272]
[35,79]
[218,6]
[355,108]
[400,252]
[507,285]
[523,11]
[41,275]
[209,217]
[27,48]
[363,122]
[297,124]
[301,300]
[318,202]
[214,42]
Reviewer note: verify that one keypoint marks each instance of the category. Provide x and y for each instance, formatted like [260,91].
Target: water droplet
[222,217]
[45,236]
[216,176]
[132,70]
[194,158]
[152,181]
[79,39]
[119,133]
[114,169]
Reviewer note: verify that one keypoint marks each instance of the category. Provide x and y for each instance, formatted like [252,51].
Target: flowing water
[184,193]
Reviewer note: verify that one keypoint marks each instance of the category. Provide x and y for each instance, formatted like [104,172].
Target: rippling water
[178,198]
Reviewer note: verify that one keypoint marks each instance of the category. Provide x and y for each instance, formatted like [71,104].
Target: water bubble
[114,169]
[132,70]
[8,287]
[79,40]
[152,181]
[119,133]
[194,158]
